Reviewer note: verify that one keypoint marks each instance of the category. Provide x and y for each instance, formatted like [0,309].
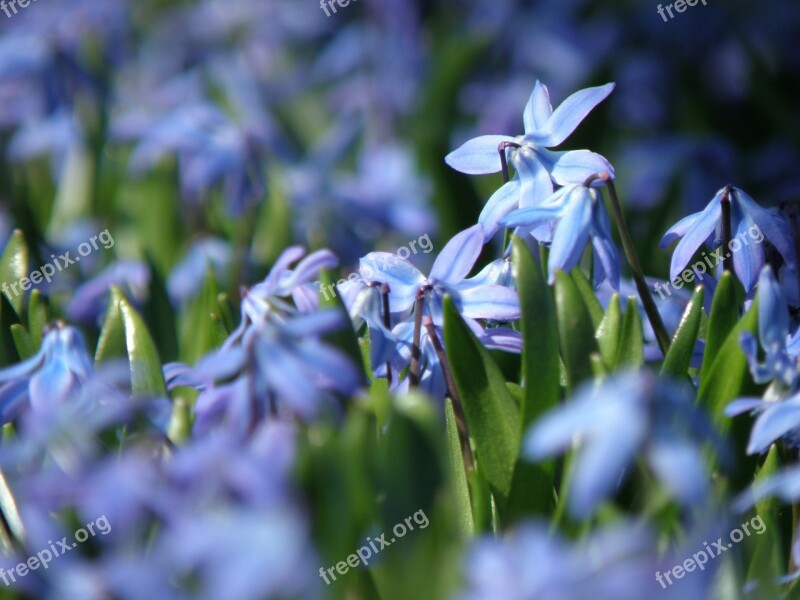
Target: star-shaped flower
[537,167]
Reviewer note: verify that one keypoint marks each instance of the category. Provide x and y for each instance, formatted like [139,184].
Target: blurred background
[261,122]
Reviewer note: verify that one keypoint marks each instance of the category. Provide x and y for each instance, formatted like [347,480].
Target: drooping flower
[750,225]
[475,299]
[576,214]
[773,333]
[537,167]
[50,378]
[274,363]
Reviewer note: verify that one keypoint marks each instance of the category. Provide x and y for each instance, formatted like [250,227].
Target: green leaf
[723,318]
[23,341]
[540,365]
[11,519]
[609,333]
[8,317]
[575,331]
[631,344]
[492,417]
[729,374]
[589,297]
[458,476]
[679,356]
[38,316]
[14,267]
[124,333]
[199,329]
[160,316]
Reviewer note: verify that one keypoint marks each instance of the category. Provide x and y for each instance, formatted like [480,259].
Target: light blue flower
[50,378]
[576,214]
[474,298]
[750,224]
[629,414]
[537,168]
[773,333]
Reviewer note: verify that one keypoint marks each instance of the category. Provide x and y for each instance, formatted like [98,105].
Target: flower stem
[458,408]
[501,149]
[387,322]
[413,371]
[725,201]
[662,337]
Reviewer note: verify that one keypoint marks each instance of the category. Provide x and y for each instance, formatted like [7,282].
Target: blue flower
[90,300]
[750,224]
[629,414]
[537,167]
[50,378]
[274,362]
[773,332]
[211,150]
[578,214]
[187,276]
[474,298]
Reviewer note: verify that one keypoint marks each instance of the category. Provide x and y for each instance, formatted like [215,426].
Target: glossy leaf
[492,417]
[575,330]
[679,357]
[540,368]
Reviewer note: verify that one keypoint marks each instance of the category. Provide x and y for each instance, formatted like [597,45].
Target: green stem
[662,337]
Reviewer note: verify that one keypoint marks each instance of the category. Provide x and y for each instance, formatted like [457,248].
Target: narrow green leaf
[729,374]
[160,316]
[540,365]
[23,341]
[8,317]
[199,331]
[458,476]
[38,315]
[492,417]
[13,267]
[589,297]
[609,333]
[631,345]
[575,330]
[124,325]
[723,318]
[11,518]
[676,364]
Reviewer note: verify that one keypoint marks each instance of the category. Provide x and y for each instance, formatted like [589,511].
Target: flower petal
[489,302]
[478,156]
[702,228]
[576,166]
[570,113]
[502,202]
[457,258]
[538,109]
